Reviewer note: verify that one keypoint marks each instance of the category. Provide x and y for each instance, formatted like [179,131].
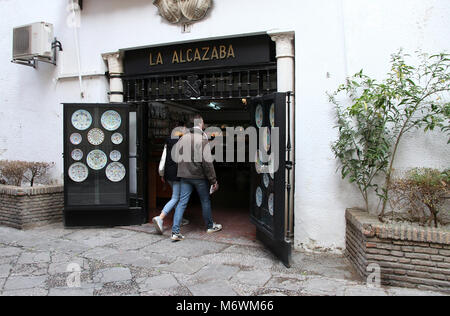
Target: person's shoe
[184,222]
[158,224]
[177,237]
[216,228]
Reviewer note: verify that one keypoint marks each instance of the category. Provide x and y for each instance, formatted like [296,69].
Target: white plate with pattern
[259,116]
[81,120]
[76,139]
[271,200]
[111,120]
[96,136]
[259,197]
[115,172]
[272,115]
[117,138]
[78,172]
[115,155]
[77,154]
[97,159]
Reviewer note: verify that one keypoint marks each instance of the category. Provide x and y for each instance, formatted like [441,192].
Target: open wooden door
[270,193]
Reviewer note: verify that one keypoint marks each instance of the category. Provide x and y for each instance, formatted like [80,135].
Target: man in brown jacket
[195,170]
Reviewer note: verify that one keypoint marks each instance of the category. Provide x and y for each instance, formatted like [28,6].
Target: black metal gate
[202,85]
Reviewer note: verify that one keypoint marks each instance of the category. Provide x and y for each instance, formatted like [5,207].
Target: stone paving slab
[5,269]
[212,288]
[160,282]
[130,262]
[112,275]
[24,282]
[216,272]
[185,266]
[26,292]
[71,292]
[253,277]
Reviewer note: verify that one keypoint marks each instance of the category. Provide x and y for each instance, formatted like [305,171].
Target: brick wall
[409,256]
[25,208]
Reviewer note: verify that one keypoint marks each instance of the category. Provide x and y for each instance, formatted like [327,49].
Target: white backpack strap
[162,163]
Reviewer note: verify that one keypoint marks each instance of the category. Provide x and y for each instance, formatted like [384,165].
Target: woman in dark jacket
[170,176]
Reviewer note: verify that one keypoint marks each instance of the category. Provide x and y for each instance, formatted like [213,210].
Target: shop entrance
[112,151]
[232,202]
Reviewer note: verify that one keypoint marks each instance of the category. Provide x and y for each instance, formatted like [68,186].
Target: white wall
[332,36]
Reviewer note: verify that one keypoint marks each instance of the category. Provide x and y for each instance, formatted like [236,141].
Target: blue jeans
[187,186]
[175,197]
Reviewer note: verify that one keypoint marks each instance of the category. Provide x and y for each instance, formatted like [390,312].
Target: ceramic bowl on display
[111,120]
[272,115]
[97,159]
[78,172]
[77,154]
[96,136]
[259,197]
[115,172]
[259,116]
[117,138]
[81,120]
[76,139]
[115,155]
[271,205]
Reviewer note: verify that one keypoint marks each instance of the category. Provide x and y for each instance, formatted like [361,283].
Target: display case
[96,163]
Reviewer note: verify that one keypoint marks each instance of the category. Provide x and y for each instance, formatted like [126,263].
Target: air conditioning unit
[33,40]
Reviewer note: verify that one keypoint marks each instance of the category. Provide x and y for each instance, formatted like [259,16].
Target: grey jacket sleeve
[207,164]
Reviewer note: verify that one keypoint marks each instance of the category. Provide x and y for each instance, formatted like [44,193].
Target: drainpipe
[115,66]
[285,54]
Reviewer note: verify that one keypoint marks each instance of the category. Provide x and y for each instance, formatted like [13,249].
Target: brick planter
[409,256]
[25,208]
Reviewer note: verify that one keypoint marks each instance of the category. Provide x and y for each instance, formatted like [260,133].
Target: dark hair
[181,124]
[196,117]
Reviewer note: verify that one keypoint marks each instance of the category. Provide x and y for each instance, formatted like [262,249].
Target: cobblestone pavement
[136,261]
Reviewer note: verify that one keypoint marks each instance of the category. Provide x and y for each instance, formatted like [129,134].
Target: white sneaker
[216,228]
[159,224]
[177,237]
[184,222]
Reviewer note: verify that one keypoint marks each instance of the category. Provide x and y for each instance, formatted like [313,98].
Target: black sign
[233,52]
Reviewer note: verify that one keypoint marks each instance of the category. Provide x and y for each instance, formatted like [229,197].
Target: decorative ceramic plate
[272,115]
[259,116]
[96,136]
[97,159]
[115,155]
[271,168]
[77,154]
[81,120]
[117,139]
[111,120]
[76,139]
[78,172]
[115,172]
[259,197]
[258,162]
[266,138]
[266,180]
[271,197]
